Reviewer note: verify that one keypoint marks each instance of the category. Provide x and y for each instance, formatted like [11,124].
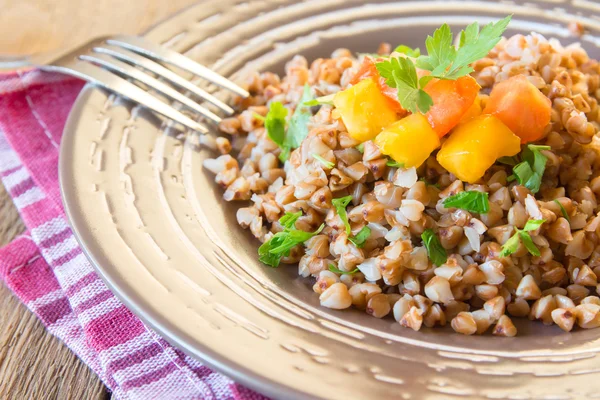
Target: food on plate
[453,186]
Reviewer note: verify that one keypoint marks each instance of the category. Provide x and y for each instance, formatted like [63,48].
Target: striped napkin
[47,270]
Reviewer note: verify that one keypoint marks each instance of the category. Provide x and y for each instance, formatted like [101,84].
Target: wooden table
[34,364]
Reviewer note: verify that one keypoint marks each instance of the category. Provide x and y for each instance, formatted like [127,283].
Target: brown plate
[155,226]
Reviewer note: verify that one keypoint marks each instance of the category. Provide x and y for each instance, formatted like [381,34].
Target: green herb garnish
[275,123]
[530,171]
[472,201]
[394,164]
[361,237]
[523,236]
[443,61]
[323,100]
[297,126]
[361,148]
[437,253]
[400,73]
[326,164]
[280,244]
[563,211]
[340,207]
[260,117]
[414,53]
[336,270]
[512,161]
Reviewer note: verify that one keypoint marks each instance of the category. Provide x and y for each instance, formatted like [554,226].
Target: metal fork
[115,62]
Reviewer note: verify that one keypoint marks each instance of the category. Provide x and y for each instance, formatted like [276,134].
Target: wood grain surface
[34,364]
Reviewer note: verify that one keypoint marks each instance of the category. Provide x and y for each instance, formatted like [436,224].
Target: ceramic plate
[155,226]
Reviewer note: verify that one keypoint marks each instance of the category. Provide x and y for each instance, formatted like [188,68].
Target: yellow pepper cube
[475,146]
[364,110]
[409,141]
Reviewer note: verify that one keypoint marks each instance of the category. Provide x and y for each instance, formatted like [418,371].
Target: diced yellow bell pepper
[409,141]
[475,146]
[364,110]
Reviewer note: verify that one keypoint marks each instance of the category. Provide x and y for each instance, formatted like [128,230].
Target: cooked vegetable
[451,101]
[523,236]
[437,253]
[471,200]
[280,244]
[368,70]
[409,141]
[364,110]
[474,111]
[475,145]
[443,61]
[521,106]
[530,171]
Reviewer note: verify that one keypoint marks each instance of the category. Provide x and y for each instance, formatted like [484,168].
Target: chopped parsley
[437,253]
[361,237]
[530,171]
[336,270]
[523,236]
[414,53]
[297,126]
[443,61]
[563,211]
[326,164]
[340,207]
[280,244]
[323,100]
[472,201]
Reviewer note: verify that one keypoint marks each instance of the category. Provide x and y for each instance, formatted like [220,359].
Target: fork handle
[12,63]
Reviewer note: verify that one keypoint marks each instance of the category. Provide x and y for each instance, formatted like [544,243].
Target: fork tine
[165,73]
[132,72]
[150,49]
[112,82]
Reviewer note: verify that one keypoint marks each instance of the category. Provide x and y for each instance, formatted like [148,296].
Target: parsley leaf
[510,246]
[340,207]
[394,164]
[533,224]
[446,62]
[563,211]
[361,237]
[400,73]
[522,236]
[361,148]
[336,270]
[298,125]
[530,171]
[260,117]
[289,219]
[280,244]
[323,100]
[472,201]
[437,254]
[326,164]
[408,51]
[528,243]
[275,122]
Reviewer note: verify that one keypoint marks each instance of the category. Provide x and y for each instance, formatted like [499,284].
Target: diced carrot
[368,70]
[451,100]
[521,106]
